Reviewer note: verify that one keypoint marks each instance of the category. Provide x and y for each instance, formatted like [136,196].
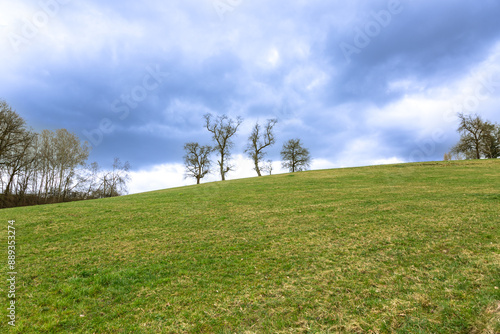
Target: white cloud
[273,57]
[322,164]
[157,177]
[436,108]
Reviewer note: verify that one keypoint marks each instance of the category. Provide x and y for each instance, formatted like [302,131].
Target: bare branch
[257,142]
[197,160]
[223,129]
[295,157]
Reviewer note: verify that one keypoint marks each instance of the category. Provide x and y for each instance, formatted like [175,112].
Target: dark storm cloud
[135,79]
[430,42]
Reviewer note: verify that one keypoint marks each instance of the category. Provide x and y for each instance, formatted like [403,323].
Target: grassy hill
[408,248]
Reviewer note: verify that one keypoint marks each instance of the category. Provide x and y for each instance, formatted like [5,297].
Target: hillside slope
[408,248]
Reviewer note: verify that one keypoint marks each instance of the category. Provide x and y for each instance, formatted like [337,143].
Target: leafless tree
[295,157]
[491,142]
[268,167]
[222,129]
[16,150]
[50,166]
[70,153]
[258,142]
[114,182]
[88,181]
[13,132]
[197,160]
[475,137]
[19,158]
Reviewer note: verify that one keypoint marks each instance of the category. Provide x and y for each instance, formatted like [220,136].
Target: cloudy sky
[360,82]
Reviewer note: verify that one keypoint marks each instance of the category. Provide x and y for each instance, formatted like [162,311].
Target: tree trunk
[11,180]
[221,164]
[7,189]
[477,145]
[257,169]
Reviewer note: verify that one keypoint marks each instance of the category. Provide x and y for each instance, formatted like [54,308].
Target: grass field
[410,248]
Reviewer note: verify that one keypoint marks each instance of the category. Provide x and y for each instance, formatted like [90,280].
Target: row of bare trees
[50,166]
[478,139]
[222,128]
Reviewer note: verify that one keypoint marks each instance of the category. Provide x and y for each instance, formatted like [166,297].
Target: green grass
[408,248]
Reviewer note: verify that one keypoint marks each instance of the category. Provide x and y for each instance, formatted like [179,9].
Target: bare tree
[88,181]
[70,153]
[50,166]
[474,134]
[295,157]
[491,142]
[16,151]
[46,166]
[19,158]
[92,182]
[27,174]
[268,167]
[114,182]
[13,132]
[197,160]
[258,141]
[223,129]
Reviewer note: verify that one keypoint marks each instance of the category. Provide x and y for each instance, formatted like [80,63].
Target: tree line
[50,166]
[479,139]
[197,158]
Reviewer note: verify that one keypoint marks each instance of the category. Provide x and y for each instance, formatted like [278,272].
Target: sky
[359,82]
